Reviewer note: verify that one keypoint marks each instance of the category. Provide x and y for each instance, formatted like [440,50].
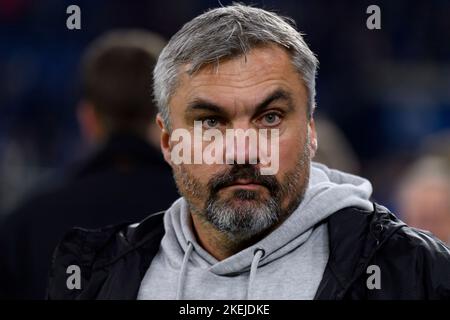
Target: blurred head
[335,150]
[117,84]
[424,196]
[239,67]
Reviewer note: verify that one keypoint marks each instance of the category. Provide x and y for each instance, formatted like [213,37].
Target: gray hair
[228,32]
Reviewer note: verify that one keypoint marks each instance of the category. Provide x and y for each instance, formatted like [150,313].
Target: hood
[328,191]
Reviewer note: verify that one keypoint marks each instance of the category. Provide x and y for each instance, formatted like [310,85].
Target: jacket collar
[355,236]
[120,268]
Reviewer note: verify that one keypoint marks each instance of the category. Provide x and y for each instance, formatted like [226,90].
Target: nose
[241,143]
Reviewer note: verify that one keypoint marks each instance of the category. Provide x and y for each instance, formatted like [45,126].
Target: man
[125,179]
[424,196]
[302,232]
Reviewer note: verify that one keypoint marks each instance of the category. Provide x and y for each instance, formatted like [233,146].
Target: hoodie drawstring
[183,270]
[257,255]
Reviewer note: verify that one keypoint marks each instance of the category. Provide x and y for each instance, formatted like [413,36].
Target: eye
[271,119]
[211,123]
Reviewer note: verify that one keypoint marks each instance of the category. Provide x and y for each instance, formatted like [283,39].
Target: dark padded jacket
[412,263]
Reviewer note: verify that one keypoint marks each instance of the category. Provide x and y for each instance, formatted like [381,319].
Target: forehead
[241,80]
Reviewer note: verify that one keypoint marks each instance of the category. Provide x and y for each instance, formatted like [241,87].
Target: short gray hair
[228,32]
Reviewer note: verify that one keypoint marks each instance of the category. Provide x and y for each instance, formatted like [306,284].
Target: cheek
[291,149]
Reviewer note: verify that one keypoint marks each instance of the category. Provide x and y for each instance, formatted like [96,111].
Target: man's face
[259,91]
[425,205]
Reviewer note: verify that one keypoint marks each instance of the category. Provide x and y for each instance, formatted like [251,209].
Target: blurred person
[437,144]
[124,179]
[424,196]
[334,150]
[304,231]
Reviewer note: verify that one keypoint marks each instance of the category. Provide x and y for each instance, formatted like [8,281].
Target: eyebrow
[279,94]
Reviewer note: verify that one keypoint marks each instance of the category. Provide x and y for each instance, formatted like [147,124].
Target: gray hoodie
[287,264]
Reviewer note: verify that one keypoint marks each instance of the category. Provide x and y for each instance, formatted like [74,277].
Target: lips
[244,184]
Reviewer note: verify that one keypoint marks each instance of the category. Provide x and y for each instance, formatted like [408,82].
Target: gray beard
[246,220]
[251,218]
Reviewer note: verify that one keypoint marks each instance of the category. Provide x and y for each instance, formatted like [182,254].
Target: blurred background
[383,96]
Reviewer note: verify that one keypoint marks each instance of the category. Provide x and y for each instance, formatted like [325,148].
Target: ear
[165,139]
[90,125]
[313,144]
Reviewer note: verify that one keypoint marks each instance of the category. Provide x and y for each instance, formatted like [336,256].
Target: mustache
[244,172]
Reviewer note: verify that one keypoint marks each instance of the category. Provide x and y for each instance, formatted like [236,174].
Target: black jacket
[413,264]
[124,180]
